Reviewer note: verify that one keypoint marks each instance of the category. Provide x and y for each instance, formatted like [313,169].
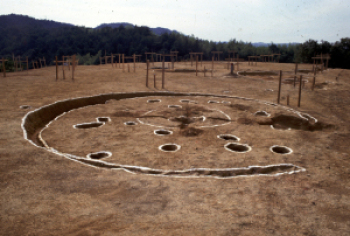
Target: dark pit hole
[103,119]
[281,150]
[162,132]
[130,123]
[88,125]
[228,137]
[235,147]
[261,113]
[99,155]
[169,147]
[24,107]
[153,100]
[213,101]
[174,106]
[185,101]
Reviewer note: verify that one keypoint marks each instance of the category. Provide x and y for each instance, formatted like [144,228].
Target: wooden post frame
[147,65]
[299,98]
[279,88]
[163,72]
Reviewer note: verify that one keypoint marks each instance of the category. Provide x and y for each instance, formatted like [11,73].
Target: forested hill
[26,36]
[157,31]
[24,22]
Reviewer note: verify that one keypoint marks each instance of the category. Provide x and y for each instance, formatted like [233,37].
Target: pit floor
[46,194]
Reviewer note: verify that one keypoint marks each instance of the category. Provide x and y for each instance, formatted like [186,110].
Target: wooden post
[147,65]
[112,59]
[123,61]
[204,71]
[196,65]
[295,73]
[288,100]
[201,60]
[73,66]
[163,72]
[191,60]
[232,68]
[44,61]
[154,81]
[3,67]
[134,62]
[119,60]
[64,76]
[299,99]
[279,88]
[56,69]
[212,65]
[314,82]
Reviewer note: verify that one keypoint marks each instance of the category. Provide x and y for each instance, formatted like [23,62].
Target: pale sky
[266,21]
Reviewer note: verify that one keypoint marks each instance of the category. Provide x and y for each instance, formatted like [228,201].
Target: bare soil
[200,189]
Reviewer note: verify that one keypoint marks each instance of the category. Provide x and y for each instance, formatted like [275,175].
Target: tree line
[89,44]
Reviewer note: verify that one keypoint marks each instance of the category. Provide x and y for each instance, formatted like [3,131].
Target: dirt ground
[43,192]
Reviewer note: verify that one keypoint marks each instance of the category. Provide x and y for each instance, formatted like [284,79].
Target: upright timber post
[147,64]
[299,99]
[123,60]
[237,61]
[295,73]
[212,65]
[119,60]
[314,82]
[196,65]
[279,88]
[56,69]
[163,72]
[64,76]
[112,59]
[134,58]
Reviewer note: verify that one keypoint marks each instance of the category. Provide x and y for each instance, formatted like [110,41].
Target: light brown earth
[43,193]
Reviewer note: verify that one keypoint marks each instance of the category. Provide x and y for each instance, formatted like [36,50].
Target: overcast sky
[267,21]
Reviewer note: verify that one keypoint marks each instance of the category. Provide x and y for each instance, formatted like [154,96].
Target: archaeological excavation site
[172,147]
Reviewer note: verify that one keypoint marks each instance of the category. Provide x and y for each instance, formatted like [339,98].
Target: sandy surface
[43,193]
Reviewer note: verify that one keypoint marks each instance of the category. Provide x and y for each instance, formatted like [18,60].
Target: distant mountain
[20,21]
[157,31]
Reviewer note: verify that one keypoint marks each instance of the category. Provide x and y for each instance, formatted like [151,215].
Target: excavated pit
[261,113]
[285,122]
[34,122]
[99,155]
[162,132]
[103,119]
[130,123]
[228,137]
[281,149]
[213,101]
[175,106]
[153,100]
[258,73]
[171,147]
[88,125]
[236,147]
